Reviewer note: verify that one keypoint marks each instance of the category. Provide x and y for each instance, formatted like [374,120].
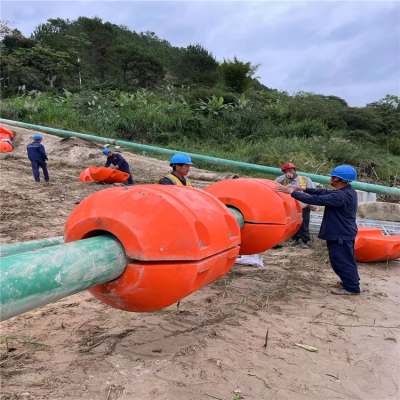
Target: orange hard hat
[287,165]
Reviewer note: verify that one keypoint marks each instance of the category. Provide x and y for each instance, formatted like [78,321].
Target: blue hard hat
[181,159]
[37,137]
[345,172]
[106,151]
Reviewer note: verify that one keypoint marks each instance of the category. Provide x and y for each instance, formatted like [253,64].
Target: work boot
[278,246]
[339,284]
[304,245]
[343,292]
[295,243]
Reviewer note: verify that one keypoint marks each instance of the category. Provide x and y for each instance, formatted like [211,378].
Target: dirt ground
[234,339]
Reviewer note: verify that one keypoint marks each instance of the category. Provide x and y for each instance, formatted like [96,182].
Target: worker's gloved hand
[314,208]
[117,167]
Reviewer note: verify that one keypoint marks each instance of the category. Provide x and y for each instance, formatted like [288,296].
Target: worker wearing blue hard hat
[338,227]
[119,162]
[38,158]
[180,164]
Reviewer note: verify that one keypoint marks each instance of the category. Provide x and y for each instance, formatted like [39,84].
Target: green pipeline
[366,187]
[22,247]
[36,278]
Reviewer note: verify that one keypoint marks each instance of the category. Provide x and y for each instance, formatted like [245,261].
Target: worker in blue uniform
[119,162]
[38,158]
[180,164]
[338,227]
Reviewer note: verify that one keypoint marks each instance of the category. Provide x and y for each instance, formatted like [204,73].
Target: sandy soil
[214,345]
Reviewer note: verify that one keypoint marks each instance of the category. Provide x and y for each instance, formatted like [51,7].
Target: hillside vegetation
[99,78]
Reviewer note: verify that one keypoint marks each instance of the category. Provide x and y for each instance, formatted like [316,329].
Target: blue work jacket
[339,220]
[36,152]
[117,159]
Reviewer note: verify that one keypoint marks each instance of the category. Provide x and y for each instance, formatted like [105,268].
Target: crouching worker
[338,226]
[180,164]
[38,157]
[119,162]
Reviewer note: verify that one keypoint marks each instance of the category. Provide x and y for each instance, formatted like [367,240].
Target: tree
[336,98]
[364,119]
[5,28]
[388,111]
[139,68]
[308,105]
[16,40]
[35,66]
[198,66]
[100,37]
[238,75]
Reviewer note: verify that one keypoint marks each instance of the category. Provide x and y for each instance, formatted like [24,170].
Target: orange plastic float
[270,217]
[178,238]
[85,176]
[107,175]
[371,245]
[5,146]
[103,174]
[4,136]
[4,131]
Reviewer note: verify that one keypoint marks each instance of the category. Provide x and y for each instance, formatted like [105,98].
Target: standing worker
[180,164]
[338,227]
[290,177]
[119,162]
[38,157]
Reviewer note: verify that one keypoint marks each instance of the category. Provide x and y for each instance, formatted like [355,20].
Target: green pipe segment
[238,215]
[36,278]
[366,187]
[22,247]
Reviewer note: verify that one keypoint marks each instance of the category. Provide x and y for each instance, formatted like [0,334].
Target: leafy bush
[306,129]
[214,106]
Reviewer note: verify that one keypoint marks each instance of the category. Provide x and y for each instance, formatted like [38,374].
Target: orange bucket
[179,239]
[4,131]
[270,217]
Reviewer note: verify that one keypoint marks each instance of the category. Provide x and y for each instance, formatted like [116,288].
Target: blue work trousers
[130,179]
[304,231]
[35,170]
[341,255]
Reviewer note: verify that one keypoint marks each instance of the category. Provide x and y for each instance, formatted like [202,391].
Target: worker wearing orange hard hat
[290,177]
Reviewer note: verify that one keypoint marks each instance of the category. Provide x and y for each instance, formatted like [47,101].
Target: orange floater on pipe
[179,239]
[270,217]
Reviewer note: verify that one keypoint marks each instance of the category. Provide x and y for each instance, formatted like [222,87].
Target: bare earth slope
[213,345]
